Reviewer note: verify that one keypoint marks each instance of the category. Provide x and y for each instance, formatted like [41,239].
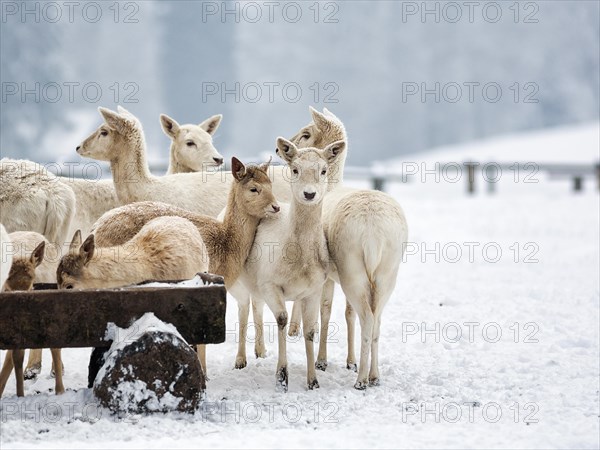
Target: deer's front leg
[326,302]
[18,356]
[277,306]
[310,314]
[7,368]
[58,371]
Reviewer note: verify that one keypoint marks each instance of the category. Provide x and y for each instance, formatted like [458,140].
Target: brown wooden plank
[78,318]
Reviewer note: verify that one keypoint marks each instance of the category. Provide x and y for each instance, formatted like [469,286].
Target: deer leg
[34,364]
[296,320]
[58,370]
[350,322]
[258,307]
[310,317]
[6,370]
[326,302]
[201,349]
[18,357]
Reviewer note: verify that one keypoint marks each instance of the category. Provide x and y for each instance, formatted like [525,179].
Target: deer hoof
[282,380]
[32,372]
[294,329]
[321,365]
[240,363]
[352,367]
[374,381]
[360,385]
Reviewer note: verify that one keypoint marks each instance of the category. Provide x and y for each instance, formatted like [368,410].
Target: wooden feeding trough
[51,318]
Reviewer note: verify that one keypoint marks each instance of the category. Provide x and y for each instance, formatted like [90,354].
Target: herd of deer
[193,219]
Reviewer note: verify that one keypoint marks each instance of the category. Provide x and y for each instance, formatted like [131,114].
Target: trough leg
[96,362]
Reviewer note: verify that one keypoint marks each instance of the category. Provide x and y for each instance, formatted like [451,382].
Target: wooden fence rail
[470,171]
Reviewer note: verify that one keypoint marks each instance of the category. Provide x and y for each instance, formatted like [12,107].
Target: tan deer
[228,242]
[21,278]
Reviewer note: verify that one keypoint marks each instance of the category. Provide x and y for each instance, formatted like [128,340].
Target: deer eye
[190,143]
[104,133]
[306,136]
[323,172]
[69,286]
[253,190]
[295,171]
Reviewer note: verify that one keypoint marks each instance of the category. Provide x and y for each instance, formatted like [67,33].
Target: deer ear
[122,111]
[286,150]
[37,257]
[319,119]
[265,166]
[75,242]
[169,126]
[333,151]
[112,119]
[211,124]
[238,169]
[86,251]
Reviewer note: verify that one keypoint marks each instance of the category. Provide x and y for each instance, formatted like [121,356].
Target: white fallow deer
[120,140]
[166,248]
[21,277]
[191,150]
[297,266]
[366,233]
[33,199]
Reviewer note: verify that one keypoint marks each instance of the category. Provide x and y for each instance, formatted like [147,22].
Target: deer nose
[77,148]
[276,208]
[309,195]
[219,161]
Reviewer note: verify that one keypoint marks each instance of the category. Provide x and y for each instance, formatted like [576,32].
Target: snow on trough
[490,339]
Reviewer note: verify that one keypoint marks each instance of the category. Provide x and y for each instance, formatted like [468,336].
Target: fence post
[577,183]
[470,166]
[379,184]
[598,175]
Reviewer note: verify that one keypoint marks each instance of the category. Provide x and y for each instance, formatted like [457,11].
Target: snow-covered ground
[491,339]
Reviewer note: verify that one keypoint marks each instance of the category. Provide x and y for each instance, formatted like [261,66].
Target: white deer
[297,266]
[366,233]
[120,140]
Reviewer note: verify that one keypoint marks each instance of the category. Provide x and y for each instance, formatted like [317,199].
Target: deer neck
[240,228]
[130,168]
[175,166]
[305,223]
